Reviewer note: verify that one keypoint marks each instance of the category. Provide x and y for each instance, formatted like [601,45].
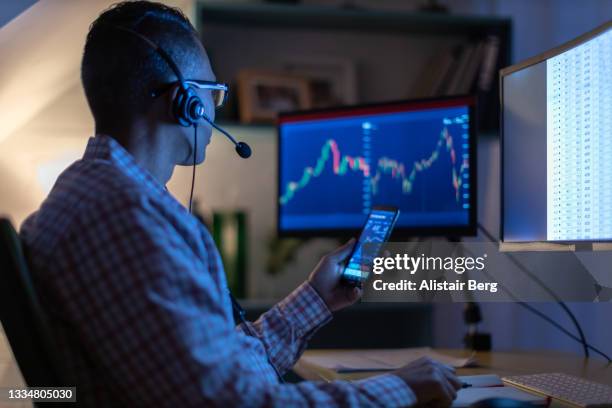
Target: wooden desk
[497,362]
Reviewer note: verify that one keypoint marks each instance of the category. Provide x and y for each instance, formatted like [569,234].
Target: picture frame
[264,94]
[333,81]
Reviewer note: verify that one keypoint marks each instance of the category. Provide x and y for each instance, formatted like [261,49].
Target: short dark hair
[119,71]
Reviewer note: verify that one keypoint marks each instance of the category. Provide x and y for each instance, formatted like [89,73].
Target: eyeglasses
[218,90]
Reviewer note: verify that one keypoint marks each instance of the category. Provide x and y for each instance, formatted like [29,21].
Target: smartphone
[376,231]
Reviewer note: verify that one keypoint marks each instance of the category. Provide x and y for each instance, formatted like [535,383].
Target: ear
[170,97]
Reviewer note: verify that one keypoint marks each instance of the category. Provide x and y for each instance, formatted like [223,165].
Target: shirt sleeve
[286,328]
[158,326]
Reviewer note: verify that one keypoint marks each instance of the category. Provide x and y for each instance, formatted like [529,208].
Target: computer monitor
[334,165]
[556,131]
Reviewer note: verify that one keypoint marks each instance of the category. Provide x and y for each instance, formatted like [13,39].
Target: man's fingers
[445,367]
[450,393]
[449,373]
[428,360]
[454,381]
[353,294]
[421,361]
[447,389]
[340,253]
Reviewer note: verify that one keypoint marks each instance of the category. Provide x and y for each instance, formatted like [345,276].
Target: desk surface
[497,362]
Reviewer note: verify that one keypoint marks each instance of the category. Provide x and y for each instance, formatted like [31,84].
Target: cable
[585,344]
[193,173]
[544,316]
[561,328]
[548,319]
[235,305]
[242,316]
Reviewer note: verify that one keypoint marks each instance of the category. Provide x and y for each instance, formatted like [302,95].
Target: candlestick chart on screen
[334,171]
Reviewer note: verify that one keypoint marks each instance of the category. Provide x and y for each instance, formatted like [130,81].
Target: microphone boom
[242,149]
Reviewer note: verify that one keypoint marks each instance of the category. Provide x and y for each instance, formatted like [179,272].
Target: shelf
[331,18]
[389,51]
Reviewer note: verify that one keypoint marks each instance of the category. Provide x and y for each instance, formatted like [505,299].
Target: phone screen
[376,231]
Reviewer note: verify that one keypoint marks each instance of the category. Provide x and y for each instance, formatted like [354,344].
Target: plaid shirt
[135,289]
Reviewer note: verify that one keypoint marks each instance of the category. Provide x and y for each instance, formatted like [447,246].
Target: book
[443,85]
[467,82]
[488,69]
[459,72]
[433,75]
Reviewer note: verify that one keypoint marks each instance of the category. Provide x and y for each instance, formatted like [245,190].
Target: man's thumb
[354,294]
[340,253]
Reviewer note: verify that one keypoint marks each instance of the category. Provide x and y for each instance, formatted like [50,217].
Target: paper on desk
[482,380]
[345,361]
[469,396]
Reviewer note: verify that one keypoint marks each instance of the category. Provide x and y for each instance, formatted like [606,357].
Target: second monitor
[419,156]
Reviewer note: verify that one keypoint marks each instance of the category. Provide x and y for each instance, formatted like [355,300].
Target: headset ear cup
[178,107]
[183,104]
[194,107]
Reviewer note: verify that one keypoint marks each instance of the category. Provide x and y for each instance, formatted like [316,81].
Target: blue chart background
[336,202]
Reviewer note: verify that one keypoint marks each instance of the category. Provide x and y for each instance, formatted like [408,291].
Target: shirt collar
[106,148]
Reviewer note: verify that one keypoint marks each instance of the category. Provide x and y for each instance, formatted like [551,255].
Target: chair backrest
[22,316]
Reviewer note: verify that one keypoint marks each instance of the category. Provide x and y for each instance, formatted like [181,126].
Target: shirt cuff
[387,390]
[305,309]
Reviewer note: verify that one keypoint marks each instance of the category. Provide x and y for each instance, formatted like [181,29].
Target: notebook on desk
[350,361]
[469,396]
[491,386]
[481,386]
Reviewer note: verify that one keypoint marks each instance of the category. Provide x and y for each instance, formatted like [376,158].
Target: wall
[44,120]
[10,9]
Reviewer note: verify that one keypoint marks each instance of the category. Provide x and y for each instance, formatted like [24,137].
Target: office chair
[22,316]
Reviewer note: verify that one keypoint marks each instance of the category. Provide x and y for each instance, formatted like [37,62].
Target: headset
[188,109]
[187,106]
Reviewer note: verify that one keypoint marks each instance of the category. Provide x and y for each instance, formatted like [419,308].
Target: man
[134,285]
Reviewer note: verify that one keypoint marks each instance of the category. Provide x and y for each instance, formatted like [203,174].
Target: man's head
[120,71]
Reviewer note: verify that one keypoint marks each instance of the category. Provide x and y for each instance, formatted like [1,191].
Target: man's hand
[325,279]
[433,383]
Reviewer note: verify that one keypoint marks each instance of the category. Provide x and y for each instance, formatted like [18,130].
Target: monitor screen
[557,144]
[335,165]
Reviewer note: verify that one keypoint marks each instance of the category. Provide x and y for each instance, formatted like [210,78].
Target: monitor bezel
[518,67]
[399,232]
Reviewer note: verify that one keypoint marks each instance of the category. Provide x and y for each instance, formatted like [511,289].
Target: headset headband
[165,56]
